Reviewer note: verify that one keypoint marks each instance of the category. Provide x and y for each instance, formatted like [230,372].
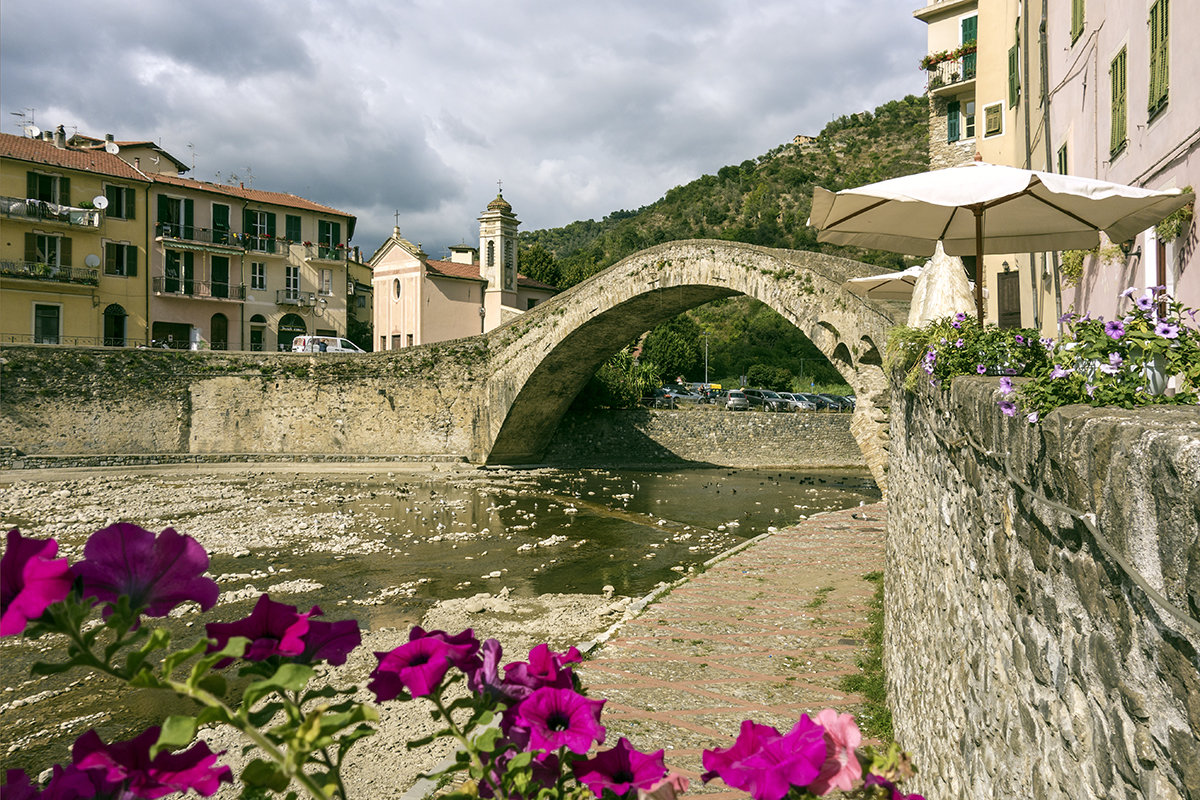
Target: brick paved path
[765,634]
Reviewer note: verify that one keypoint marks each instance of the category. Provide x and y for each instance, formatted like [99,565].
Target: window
[258,329]
[220,277]
[1076,19]
[258,275]
[1008,299]
[1159,55]
[396,287]
[48,188]
[179,273]
[114,326]
[121,202]
[1062,160]
[48,249]
[329,239]
[491,254]
[176,217]
[969,120]
[993,120]
[326,282]
[120,259]
[970,33]
[1116,75]
[220,223]
[291,282]
[291,228]
[259,227]
[953,132]
[218,332]
[409,339]
[1014,75]
[47,323]
[530,303]
[360,301]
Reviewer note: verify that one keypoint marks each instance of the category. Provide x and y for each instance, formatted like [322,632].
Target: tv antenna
[25,118]
[192,147]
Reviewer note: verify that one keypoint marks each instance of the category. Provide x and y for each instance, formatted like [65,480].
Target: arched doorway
[114,326]
[290,326]
[219,332]
[258,332]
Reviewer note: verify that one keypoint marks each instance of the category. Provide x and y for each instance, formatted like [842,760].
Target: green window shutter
[292,228]
[164,209]
[189,219]
[131,260]
[31,185]
[1076,19]
[111,267]
[970,29]
[1014,76]
[952,120]
[271,233]
[220,215]
[1117,76]
[64,191]
[1159,55]
[64,251]
[247,221]
[31,253]
[130,204]
[336,228]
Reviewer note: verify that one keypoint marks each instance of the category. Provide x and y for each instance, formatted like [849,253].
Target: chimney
[60,138]
[137,163]
[108,137]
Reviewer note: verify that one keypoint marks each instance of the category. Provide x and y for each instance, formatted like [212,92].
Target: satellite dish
[92,260]
[100,202]
[33,131]
[111,148]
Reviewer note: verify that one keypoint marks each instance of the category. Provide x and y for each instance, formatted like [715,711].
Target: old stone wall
[707,434]
[1043,597]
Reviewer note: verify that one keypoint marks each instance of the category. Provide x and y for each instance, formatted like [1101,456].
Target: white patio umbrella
[986,208]
[888,286]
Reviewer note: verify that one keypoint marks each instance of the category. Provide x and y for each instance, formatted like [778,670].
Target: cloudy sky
[420,106]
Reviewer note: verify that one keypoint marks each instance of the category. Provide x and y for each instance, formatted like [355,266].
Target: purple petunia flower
[1114,364]
[544,668]
[980,368]
[1158,289]
[1059,372]
[896,794]
[957,325]
[329,641]
[960,316]
[792,760]
[1128,292]
[166,773]
[417,666]
[274,629]
[1032,418]
[31,580]
[1145,302]
[1006,386]
[1018,338]
[558,718]
[464,646]
[157,573]
[1090,389]
[485,679]
[959,343]
[66,783]
[1166,330]
[1008,407]
[727,763]
[620,769]
[1066,318]
[1115,329]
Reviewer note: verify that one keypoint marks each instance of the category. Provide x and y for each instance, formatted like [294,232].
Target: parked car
[736,401]
[851,399]
[682,395]
[766,399]
[817,400]
[659,398]
[324,344]
[797,402]
[836,403]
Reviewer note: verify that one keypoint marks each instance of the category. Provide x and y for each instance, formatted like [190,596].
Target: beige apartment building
[1071,86]
[419,300]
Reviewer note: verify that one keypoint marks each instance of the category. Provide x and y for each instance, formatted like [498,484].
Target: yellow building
[73,263]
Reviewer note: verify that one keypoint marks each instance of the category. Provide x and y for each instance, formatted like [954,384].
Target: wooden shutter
[1076,19]
[271,232]
[189,219]
[1008,299]
[1116,74]
[952,121]
[1159,55]
[31,250]
[292,228]
[164,210]
[130,203]
[248,217]
[336,231]
[64,191]
[64,251]
[111,267]
[1014,75]
[970,33]
[131,252]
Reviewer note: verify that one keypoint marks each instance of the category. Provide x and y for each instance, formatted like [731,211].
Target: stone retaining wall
[707,434]
[1043,597]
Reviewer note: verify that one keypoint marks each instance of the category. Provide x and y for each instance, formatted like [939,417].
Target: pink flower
[329,641]
[274,629]
[727,763]
[31,580]
[896,794]
[157,573]
[841,769]
[1006,386]
[66,783]
[669,788]
[544,668]
[620,769]
[561,718]
[417,666]
[791,760]
[980,368]
[166,773]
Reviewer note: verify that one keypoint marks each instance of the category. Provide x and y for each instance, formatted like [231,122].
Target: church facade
[418,300]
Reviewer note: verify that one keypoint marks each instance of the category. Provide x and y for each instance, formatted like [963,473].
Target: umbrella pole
[979,263]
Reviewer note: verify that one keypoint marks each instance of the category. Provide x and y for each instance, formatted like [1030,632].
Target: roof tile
[37,151]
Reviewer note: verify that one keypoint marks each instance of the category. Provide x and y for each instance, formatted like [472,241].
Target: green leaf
[173,660]
[264,715]
[486,741]
[214,685]
[177,732]
[48,668]
[288,678]
[265,774]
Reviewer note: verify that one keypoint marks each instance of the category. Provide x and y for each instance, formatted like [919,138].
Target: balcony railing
[321,252]
[194,233]
[67,341]
[200,290]
[49,272]
[287,297]
[952,72]
[49,212]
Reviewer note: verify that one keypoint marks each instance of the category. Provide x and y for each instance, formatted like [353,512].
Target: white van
[324,344]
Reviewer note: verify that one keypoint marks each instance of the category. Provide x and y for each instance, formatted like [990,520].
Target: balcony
[321,252]
[220,240]
[198,290]
[31,270]
[951,74]
[287,297]
[40,211]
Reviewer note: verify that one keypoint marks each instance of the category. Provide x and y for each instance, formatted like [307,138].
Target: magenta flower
[620,769]
[31,580]
[485,679]
[157,573]
[66,783]
[561,718]
[794,759]
[464,647]
[195,768]
[1019,339]
[896,794]
[417,666]
[274,629]
[1115,329]
[1166,330]
[727,763]
[841,769]
[329,641]
[669,788]
[1008,407]
[544,668]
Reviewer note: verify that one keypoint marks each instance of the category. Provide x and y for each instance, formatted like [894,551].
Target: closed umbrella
[987,208]
[888,286]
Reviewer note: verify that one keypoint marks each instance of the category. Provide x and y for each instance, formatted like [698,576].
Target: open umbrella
[888,286]
[986,208]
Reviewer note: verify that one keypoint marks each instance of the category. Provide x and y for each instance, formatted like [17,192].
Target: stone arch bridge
[540,362]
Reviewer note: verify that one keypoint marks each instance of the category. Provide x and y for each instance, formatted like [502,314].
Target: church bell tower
[498,260]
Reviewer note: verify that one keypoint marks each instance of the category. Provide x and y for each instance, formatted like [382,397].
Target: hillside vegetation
[763,201]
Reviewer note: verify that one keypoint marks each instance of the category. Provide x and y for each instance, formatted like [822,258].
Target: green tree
[777,379]
[619,383]
[676,347]
[537,263]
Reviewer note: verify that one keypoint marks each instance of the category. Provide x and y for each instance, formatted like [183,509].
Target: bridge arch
[542,360]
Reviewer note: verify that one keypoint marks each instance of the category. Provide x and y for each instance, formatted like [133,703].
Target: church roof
[500,204]
[452,269]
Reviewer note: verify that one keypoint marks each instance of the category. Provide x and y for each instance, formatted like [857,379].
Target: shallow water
[382,547]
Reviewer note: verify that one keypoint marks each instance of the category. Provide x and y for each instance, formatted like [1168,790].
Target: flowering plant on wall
[959,345]
[526,729]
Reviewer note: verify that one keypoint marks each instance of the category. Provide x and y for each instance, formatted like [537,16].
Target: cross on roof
[397,218]
[499,187]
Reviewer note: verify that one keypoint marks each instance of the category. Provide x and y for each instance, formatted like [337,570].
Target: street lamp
[706,335]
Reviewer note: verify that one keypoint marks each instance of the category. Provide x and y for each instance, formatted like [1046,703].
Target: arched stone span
[542,360]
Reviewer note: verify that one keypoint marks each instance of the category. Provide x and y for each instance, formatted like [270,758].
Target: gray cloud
[372,105]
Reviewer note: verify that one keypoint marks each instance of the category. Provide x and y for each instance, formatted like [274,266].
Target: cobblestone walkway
[765,634]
